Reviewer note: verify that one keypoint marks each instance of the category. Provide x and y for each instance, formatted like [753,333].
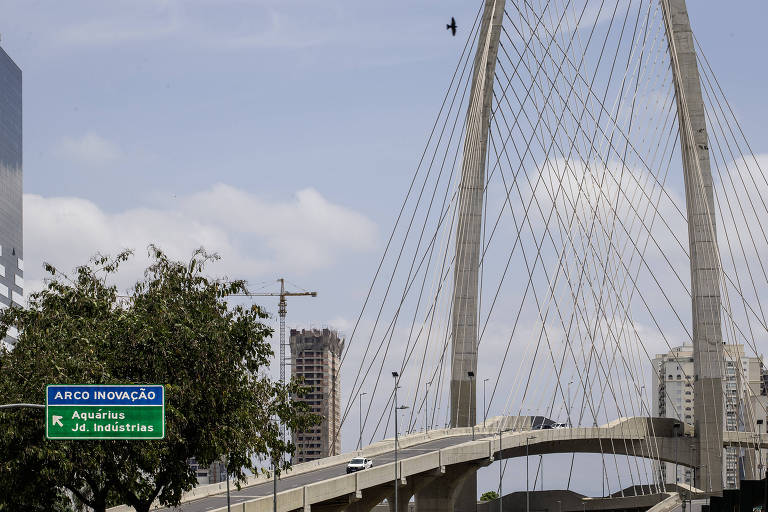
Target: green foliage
[489,496]
[174,328]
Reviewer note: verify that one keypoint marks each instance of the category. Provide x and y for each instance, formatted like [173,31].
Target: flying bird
[452,26]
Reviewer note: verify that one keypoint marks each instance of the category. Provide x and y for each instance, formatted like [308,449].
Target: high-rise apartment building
[11,240]
[743,394]
[315,356]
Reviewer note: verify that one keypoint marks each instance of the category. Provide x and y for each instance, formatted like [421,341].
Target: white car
[358,464]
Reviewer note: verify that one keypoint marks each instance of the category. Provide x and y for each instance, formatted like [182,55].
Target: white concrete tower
[702,240]
[468,234]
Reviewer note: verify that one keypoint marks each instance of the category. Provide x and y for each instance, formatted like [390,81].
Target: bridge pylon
[702,240]
[464,325]
[705,265]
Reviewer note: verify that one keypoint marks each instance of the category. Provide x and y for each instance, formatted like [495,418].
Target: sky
[281,134]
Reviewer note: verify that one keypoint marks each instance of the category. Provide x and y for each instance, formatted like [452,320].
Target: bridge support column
[405,492]
[443,494]
[469,229]
[369,499]
[702,242]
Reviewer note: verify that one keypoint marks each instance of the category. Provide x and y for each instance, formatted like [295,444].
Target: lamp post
[527,488]
[226,474]
[485,414]
[570,425]
[426,404]
[693,455]
[471,376]
[360,440]
[274,484]
[675,429]
[396,376]
[765,476]
[759,450]
[501,496]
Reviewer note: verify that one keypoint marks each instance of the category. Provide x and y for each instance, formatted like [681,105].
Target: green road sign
[105,412]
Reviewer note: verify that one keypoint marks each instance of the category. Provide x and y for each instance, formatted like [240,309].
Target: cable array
[584,260]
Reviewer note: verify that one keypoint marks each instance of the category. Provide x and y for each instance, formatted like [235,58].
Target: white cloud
[199,24]
[255,236]
[90,149]
[100,32]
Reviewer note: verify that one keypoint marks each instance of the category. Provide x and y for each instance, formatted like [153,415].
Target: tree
[173,328]
[489,496]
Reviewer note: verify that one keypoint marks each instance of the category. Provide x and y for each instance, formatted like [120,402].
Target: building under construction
[315,356]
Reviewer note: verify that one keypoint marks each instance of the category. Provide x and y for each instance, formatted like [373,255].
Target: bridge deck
[326,481]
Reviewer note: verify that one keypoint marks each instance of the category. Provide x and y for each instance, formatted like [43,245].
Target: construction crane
[282,309]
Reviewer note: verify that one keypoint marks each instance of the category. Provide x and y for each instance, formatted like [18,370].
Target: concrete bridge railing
[431,477]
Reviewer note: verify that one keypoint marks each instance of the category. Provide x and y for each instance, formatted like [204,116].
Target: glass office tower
[11,239]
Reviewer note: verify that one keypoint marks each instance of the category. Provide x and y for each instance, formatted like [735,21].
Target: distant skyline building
[315,356]
[11,185]
[744,395]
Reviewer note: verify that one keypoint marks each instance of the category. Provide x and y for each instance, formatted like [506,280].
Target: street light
[527,488]
[226,474]
[760,451]
[274,484]
[360,440]
[570,425]
[471,375]
[426,404]
[693,455]
[501,496]
[396,376]
[484,410]
[675,429]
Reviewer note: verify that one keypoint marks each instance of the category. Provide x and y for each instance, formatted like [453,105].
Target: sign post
[88,412]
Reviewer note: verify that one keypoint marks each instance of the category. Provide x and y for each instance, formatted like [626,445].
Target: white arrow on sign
[56,420]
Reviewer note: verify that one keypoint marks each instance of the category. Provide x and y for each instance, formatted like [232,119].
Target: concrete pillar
[404,495]
[405,492]
[469,226]
[702,239]
[443,494]
[368,499]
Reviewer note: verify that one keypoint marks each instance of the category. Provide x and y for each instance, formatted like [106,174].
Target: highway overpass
[434,464]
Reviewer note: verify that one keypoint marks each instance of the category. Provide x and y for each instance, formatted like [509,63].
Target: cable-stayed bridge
[540,253]
[433,464]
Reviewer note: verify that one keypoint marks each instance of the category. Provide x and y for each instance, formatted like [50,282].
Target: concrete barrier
[369,451]
[420,464]
[377,475]
[331,488]
[482,449]
[667,505]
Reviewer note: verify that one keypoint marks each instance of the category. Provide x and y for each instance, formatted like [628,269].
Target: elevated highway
[432,466]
